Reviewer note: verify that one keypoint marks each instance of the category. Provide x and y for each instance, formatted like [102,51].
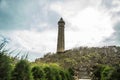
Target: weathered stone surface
[61,41]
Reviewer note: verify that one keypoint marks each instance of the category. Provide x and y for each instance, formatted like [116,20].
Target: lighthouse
[61,39]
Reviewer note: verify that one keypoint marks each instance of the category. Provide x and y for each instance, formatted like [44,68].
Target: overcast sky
[31,25]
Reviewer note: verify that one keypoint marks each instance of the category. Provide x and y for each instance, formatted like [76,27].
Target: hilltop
[83,59]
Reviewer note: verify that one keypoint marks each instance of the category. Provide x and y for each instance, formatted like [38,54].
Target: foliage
[5,66]
[63,75]
[105,72]
[49,74]
[22,71]
[115,74]
[5,63]
[97,72]
[12,68]
[50,71]
[71,71]
[38,73]
[84,57]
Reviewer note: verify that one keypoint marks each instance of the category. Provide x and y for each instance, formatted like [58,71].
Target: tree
[22,71]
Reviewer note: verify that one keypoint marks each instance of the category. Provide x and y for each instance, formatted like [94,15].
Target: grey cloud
[117,32]
[17,14]
[111,7]
[114,39]
[107,3]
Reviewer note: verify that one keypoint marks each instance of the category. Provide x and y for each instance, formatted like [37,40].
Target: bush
[72,73]
[22,71]
[68,76]
[115,74]
[63,75]
[55,72]
[106,73]
[97,69]
[5,66]
[38,73]
[49,73]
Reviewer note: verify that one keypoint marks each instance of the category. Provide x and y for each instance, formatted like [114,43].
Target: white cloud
[90,23]
[70,8]
[34,41]
[113,6]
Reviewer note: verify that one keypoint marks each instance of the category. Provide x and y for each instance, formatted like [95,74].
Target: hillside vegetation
[84,59]
[13,68]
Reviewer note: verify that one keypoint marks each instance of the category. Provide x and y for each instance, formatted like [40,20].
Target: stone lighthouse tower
[61,41]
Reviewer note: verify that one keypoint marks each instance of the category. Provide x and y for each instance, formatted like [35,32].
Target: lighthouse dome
[61,21]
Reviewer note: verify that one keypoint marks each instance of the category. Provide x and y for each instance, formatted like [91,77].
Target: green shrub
[49,73]
[71,73]
[97,70]
[63,75]
[106,73]
[55,72]
[68,75]
[5,66]
[22,71]
[115,74]
[38,73]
